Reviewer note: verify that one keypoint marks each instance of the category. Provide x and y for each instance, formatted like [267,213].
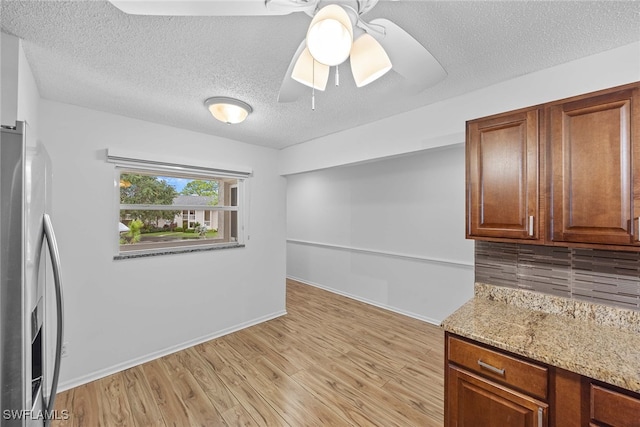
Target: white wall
[390,232]
[121,313]
[443,123]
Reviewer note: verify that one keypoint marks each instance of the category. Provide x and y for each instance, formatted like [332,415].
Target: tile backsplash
[606,277]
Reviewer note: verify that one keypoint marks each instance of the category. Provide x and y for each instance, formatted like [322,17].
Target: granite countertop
[594,340]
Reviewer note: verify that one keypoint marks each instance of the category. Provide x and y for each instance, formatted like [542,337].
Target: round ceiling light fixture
[330,35]
[228,110]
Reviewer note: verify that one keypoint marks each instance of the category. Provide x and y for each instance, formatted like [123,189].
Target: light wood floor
[331,361]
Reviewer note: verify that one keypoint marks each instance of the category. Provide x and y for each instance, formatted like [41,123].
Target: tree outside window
[173,211]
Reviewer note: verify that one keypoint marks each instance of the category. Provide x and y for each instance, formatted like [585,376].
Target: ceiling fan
[337,32]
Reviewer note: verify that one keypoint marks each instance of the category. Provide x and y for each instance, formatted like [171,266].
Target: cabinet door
[592,169]
[477,402]
[611,408]
[502,177]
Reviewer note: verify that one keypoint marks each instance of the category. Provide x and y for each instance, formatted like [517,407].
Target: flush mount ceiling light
[228,110]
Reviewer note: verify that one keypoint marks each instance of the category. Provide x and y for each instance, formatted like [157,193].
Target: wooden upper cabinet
[595,168]
[502,176]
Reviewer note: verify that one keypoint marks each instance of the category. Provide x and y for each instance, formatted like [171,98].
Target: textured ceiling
[161,69]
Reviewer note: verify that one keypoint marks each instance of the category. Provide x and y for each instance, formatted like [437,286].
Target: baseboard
[66,385]
[368,301]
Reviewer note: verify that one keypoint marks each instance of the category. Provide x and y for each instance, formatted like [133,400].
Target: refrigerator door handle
[55,261]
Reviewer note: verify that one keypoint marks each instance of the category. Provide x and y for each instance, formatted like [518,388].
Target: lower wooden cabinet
[488,387]
[609,407]
[478,402]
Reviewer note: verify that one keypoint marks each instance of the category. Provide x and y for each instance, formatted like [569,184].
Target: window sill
[172,251]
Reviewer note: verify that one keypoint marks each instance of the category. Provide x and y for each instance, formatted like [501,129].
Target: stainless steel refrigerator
[31,311]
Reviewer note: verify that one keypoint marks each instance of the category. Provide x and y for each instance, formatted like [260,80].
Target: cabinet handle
[540,416]
[491,368]
[530,225]
[636,232]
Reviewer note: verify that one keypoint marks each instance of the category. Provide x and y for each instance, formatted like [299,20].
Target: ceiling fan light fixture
[330,35]
[369,61]
[310,72]
[228,110]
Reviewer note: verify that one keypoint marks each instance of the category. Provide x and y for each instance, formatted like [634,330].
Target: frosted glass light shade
[369,61]
[228,110]
[310,74]
[330,35]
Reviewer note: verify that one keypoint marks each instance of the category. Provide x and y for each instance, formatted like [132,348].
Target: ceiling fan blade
[365,6]
[289,6]
[291,90]
[209,7]
[409,58]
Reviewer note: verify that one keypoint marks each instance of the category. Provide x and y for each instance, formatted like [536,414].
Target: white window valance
[137,161]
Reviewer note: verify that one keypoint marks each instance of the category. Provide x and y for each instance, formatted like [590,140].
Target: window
[165,211]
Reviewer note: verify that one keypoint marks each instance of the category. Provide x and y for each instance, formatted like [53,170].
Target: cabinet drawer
[516,373]
[611,408]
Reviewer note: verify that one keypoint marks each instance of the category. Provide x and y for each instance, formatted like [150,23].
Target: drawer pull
[491,368]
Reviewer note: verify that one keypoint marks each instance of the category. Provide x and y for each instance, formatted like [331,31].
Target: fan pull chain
[313,85]
[337,76]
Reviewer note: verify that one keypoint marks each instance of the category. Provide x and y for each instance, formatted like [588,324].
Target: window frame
[161,168]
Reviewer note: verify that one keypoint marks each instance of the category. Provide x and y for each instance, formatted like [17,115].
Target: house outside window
[161,210]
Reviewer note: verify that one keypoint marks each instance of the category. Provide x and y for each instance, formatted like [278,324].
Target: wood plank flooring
[331,361]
